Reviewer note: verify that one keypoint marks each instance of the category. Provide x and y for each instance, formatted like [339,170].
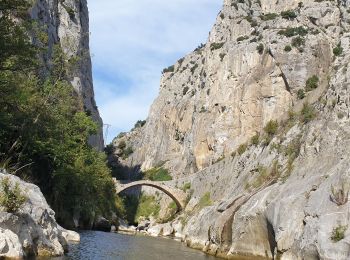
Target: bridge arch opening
[178,196]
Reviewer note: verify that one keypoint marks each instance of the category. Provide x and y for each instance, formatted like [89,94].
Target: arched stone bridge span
[177,195]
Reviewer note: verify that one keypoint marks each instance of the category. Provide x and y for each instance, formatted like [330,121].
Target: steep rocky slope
[33,231]
[258,189]
[66,23]
[217,97]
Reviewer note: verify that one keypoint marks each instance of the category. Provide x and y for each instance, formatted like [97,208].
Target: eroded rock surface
[32,231]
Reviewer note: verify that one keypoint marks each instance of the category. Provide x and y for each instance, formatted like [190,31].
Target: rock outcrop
[66,23]
[284,192]
[32,231]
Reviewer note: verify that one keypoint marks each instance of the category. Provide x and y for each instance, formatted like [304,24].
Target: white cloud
[132,41]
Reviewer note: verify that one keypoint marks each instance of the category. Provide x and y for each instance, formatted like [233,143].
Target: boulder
[33,230]
[102,224]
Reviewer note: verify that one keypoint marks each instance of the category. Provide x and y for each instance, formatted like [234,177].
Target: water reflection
[107,246]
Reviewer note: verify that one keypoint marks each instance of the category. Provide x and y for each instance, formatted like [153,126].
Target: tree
[44,129]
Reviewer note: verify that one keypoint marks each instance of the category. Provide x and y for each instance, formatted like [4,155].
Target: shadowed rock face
[67,25]
[32,231]
[274,199]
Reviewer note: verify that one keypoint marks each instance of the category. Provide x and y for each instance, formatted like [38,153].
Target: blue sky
[131,42]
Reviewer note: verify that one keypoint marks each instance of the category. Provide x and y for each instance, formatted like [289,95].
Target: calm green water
[100,245]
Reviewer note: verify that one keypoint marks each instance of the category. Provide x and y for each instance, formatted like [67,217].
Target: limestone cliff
[258,189]
[219,96]
[66,23]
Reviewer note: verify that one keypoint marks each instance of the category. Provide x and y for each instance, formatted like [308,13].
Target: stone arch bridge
[177,195]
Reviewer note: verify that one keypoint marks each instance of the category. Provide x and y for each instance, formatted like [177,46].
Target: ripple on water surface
[100,245]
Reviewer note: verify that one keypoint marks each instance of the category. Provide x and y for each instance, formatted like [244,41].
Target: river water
[107,246]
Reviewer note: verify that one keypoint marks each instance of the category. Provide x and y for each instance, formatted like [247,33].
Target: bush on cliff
[11,198]
[157,174]
[205,201]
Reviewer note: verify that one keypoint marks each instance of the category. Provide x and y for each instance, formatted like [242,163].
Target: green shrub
[241,149]
[255,139]
[293,31]
[120,207]
[265,175]
[290,15]
[216,45]
[301,94]
[186,186]
[242,38]
[340,115]
[298,42]
[198,49]
[69,10]
[269,16]
[222,56]
[292,150]
[338,233]
[157,174]
[340,195]
[337,51]
[193,69]
[205,201]
[139,124]
[271,128]
[122,145]
[288,48]
[11,198]
[260,48]
[171,213]
[312,83]
[307,113]
[252,22]
[169,69]
[220,158]
[45,119]
[147,206]
[185,90]
[109,149]
[127,152]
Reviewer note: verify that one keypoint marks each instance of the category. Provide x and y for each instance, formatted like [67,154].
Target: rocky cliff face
[33,231]
[284,192]
[66,23]
[219,96]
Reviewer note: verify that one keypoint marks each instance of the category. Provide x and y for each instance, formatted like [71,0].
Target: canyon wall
[223,93]
[66,23]
[271,189]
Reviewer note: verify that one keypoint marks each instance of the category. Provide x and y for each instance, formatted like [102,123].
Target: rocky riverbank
[33,230]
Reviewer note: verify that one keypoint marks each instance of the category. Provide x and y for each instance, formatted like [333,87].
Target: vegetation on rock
[337,51]
[340,195]
[44,129]
[307,113]
[338,233]
[134,208]
[205,201]
[157,174]
[312,83]
[11,198]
